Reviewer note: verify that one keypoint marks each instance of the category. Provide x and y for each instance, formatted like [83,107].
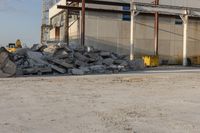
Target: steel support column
[83,23]
[132,32]
[66,25]
[156,30]
[185,38]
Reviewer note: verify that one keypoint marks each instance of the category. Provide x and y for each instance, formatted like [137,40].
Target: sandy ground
[150,102]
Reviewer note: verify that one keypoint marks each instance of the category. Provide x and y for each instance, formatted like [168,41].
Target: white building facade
[111,31]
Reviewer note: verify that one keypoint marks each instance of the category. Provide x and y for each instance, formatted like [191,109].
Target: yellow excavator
[12,47]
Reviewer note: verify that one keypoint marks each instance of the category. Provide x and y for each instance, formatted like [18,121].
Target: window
[126,17]
[178,21]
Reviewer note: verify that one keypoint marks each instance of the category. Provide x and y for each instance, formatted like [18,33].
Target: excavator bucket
[7,67]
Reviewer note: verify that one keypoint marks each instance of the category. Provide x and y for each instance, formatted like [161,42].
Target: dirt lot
[127,103]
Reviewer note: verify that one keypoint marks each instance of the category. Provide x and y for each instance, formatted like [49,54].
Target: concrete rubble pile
[57,59]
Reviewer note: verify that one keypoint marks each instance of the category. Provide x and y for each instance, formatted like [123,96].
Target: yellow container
[151,61]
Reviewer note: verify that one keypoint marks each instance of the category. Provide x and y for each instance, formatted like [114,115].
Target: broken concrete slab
[21,52]
[36,56]
[77,72]
[98,68]
[3,57]
[60,53]
[79,63]
[81,57]
[105,54]
[38,47]
[58,69]
[85,69]
[51,49]
[62,63]
[108,61]
[4,75]
[121,62]
[118,62]
[63,59]
[36,70]
[7,67]
[137,64]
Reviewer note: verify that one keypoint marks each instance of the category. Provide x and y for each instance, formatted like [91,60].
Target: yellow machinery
[151,61]
[12,47]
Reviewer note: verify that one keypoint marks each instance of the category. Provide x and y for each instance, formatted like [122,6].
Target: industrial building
[111,31]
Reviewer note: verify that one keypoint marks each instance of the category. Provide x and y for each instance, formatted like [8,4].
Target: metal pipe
[132,32]
[83,24]
[156,30]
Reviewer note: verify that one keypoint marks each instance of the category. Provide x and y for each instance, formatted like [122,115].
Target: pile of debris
[58,59]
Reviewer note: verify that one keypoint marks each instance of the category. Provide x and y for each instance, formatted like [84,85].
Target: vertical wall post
[132,31]
[66,25]
[156,30]
[83,24]
[185,39]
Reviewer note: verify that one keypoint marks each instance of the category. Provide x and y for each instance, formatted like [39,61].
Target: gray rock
[94,56]
[108,61]
[113,56]
[120,62]
[36,56]
[21,51]
[7,67]
[105,54]
[117,67]
[137,64]
[85,69]
[77,72]
[38,47]
[100,62]
[98,68]
[81,57]
[80,63]
[60,53]
[51,49]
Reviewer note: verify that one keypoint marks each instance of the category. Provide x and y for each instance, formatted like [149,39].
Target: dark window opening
[126,17]
[178,21]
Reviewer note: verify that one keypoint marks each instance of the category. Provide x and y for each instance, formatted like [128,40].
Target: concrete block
[77,72]
[108,61]
[105,54]
[137,64]
[98,68]
[81,57]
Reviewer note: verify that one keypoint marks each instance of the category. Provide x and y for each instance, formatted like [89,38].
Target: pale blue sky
[20,19]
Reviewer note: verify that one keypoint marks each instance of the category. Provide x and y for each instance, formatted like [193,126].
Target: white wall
[108,31]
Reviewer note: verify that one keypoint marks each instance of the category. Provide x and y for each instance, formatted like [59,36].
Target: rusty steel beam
[93,9]
[71,8]
[156,30]
[83,23]
[66,35]
[102,2]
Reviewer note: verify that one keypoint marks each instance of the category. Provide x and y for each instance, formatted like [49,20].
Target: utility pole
[156,30]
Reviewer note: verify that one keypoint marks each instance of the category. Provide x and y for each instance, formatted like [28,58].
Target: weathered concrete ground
[126,103]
